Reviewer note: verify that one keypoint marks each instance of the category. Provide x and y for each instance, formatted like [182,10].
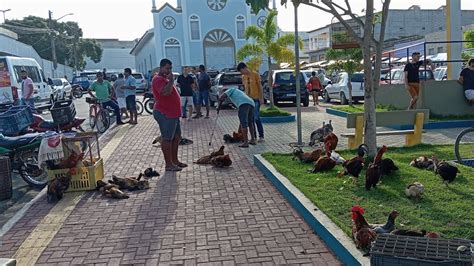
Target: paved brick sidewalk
[201,215]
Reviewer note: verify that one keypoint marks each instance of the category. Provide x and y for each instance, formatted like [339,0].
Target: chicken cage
[391,250]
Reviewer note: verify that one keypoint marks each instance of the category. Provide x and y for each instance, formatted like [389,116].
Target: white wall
[146,59]
[113,58]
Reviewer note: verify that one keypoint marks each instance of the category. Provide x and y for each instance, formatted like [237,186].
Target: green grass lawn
[273,111]
[359,108]
[447,210]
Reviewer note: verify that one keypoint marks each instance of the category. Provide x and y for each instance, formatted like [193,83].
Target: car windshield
[57,82]
[231,79]
[357,77]
[137,76]
[287,77]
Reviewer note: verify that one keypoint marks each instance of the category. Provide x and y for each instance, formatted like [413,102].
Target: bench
[417,118]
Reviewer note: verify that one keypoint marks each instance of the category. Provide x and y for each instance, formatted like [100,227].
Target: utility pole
[53,43]
[297,78]
[5,11]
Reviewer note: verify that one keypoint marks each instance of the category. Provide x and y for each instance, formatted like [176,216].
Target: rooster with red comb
[361,231]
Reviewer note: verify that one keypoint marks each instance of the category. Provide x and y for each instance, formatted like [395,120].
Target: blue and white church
[195,32]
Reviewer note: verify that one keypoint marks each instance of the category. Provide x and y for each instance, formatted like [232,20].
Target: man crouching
[246,113]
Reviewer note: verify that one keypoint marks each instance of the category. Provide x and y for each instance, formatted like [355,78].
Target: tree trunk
[270,82]
[349,87]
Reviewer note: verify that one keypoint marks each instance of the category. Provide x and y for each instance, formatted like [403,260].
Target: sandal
[182,165]
[173,168]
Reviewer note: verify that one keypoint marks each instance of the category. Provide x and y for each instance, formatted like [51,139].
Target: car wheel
[326,97]
[343,99]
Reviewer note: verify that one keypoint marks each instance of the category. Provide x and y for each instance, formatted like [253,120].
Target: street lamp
[53,44]
[4,11]
[69,14]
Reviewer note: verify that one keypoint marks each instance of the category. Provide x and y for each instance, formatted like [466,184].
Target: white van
[10,81]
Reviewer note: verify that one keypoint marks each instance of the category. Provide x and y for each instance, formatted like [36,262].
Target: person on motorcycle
[102,90]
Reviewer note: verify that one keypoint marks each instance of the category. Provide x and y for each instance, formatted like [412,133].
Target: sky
[128,20]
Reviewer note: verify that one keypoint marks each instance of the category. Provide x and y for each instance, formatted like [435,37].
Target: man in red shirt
[167,111]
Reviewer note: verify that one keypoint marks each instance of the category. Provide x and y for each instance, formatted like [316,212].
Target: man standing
[253,88]
[27,89]
[246,114]
[130,91]
[120,94]
[186,85]
[104,73]
[466,79]
[412,77]
[167,112]
[204,82]
[102,89]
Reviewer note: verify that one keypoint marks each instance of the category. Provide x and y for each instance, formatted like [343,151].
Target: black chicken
[446,170]
[387,166]
[389,226]
[372,176]
[355,165]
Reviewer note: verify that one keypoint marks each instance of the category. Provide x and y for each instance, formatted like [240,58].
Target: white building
[115,55]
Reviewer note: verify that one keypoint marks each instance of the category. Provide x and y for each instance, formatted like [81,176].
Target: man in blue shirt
[246,107]
[130,91]
[204,84]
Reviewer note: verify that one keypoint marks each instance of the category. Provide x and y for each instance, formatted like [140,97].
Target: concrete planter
[328,231]
[278,119]
[429,125]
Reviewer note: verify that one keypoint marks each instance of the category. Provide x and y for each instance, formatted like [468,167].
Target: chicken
[332,140]
[355,165]
[114,192]
[221,161]
[415,190]
[361,231]
[387,166]
[324,163]
[58,186]
[408,232]
[389,226]
[207,158]
[230,139]
[446,170]
[306,157]
[149,172]
[372,176]
[218,152]
[319,134]
[130,183]
[423,162]
[71,161]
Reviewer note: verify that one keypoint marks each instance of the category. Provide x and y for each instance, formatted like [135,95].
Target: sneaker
[261,140]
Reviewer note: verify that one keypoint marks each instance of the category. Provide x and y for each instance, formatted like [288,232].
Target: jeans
[114,106]
[258,122]
[29,102]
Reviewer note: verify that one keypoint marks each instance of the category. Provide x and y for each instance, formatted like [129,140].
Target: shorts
[131,103]
[469,94]
[121,102]
[169,127]
[246,115]
[414,89]
[203,98]
[185,100]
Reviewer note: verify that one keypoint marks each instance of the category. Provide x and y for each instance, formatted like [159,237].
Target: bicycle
[464,147]
[98,115]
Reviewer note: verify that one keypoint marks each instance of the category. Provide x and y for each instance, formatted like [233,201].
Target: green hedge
[275,111]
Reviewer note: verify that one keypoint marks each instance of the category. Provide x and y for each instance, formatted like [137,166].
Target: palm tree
[267,44]
[347,59]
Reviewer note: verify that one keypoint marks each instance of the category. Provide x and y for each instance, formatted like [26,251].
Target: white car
[339,90]
[440,73]
[140,82]
[62,89]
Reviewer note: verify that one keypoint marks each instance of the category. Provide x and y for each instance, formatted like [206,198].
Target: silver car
[62,89]
[140,82]
[222,82]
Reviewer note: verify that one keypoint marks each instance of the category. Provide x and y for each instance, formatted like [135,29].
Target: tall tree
[267,43]
[71,48]
[348,60]
[369,43]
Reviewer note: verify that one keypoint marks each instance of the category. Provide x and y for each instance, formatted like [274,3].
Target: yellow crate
[86,177]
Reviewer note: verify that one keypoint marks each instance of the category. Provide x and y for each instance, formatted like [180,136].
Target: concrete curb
[278,119]
[329,232]
[429,125]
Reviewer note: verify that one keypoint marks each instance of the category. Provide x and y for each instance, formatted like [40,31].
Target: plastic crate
[394,250]
[85,179]
[15,120]
[5,178]
[63,112]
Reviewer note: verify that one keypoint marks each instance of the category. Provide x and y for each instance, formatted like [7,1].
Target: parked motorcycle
[148,102]
[41,125]
[23,153]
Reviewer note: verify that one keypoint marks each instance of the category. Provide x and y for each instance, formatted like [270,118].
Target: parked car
[61,89]
[10,81]
[307,75]
[81,81]
[284,87]
[440,73]
[141,83]
[339,88]
[222,82]
[397,76]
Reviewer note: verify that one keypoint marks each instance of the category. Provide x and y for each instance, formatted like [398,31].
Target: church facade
[207,32]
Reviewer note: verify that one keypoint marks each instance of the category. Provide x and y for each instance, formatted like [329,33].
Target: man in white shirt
[27,90]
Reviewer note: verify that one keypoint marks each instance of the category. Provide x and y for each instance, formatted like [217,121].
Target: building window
[240,27]
[195,28]
[431,51]
[440,50]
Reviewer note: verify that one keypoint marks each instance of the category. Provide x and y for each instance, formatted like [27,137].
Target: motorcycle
[148,102]
[41,125]
[23,154]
